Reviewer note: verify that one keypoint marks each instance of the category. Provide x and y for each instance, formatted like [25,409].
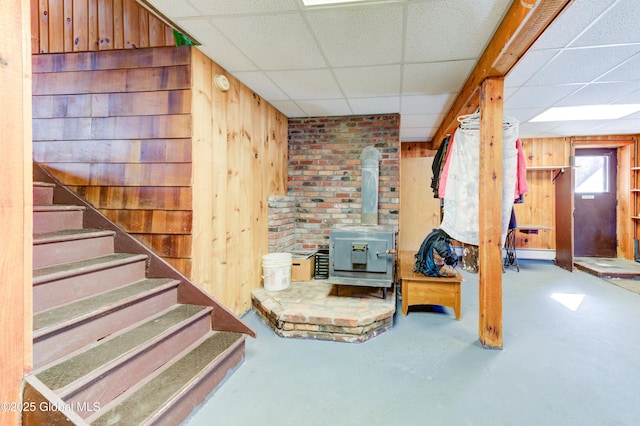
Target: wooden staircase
[113,342]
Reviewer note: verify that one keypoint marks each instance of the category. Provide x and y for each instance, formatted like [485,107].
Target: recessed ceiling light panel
[587,112]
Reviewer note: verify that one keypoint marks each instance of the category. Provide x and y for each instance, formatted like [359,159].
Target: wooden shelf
[536,168]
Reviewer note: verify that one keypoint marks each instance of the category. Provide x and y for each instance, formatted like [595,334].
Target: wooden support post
[16,211]
[490,213]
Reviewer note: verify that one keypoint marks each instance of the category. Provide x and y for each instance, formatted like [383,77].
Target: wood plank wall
[239,159]
[17,208]
[419,210]
[539,205]
[59,26]
[116,127]
[148,139]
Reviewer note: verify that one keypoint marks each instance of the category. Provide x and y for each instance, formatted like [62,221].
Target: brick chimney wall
[324,173]
[282,223]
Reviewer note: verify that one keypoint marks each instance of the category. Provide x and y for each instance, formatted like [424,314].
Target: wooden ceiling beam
[524,22]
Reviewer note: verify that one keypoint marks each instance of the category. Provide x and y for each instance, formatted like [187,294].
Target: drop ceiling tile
[523,114]
[435,77]
[360,35]
[426,104]
[625,126]
[325,107]
[201,29]
[421,120]
[175,8]
[539,96]
[450,30]
[288,108]
[231,7]
[627,71]
[217,47]
[509,91]
[617,26]
[306,84]
[571,23]
[579,66]
[262,85]
[631,98]
[227,57]
[383,80]
[417,134]
[528,66]
[379,105]
[600,93]
[256,37]
[578,128]
[532,130]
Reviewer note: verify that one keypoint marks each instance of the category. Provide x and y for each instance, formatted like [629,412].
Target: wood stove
[363,255]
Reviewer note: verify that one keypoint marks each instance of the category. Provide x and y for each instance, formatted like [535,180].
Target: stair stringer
[41,406]
[222,318]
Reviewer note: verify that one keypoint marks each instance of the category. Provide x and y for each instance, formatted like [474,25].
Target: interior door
[595,202]
[564,219]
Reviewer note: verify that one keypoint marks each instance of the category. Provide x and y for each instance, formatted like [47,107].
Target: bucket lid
[277,256]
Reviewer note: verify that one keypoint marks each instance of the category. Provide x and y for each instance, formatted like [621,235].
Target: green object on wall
[181,39]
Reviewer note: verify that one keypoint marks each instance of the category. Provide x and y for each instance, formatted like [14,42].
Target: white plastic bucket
[276,269]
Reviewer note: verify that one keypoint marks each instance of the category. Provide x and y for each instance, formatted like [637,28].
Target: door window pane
[592,174]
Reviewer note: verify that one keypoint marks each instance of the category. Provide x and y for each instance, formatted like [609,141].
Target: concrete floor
[558,367]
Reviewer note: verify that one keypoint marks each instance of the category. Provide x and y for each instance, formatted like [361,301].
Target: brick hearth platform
[314,310]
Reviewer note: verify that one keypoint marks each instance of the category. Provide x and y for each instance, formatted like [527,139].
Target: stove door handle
[385,253]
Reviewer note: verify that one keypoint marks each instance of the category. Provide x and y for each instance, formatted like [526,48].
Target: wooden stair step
[42,193]
[156,395]
[57,217]
[101,372]
[63,283]
[68,235]
[99,304]
[75,366]
[54,248]
[61,330]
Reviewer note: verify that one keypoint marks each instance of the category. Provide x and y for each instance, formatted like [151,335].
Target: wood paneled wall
[116,127]
[17,208]
[148,139]
[419,209]
[539,203]
[59,26]
[239,159]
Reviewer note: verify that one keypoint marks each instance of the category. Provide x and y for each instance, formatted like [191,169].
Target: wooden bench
[418,289]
